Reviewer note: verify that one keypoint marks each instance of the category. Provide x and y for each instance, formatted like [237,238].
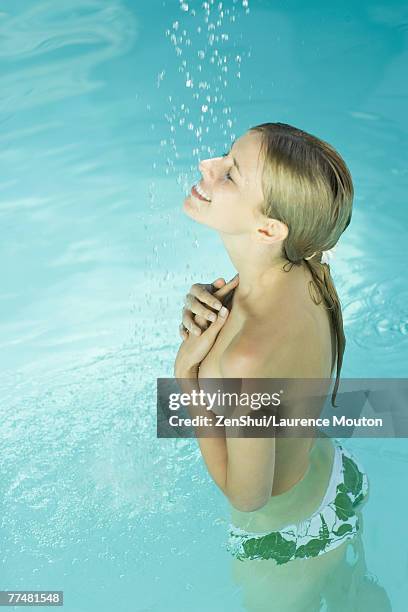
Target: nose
[208,167]
[205,167]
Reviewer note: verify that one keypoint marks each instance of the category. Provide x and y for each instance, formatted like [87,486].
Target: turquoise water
[105,113]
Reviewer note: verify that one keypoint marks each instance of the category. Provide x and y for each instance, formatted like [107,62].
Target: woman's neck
[255,288]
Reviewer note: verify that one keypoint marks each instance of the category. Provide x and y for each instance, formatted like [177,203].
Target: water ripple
[47,28]
[378,316]
[92,457]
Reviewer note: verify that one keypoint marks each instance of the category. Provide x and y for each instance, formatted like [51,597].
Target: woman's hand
[194,348]
[196,315]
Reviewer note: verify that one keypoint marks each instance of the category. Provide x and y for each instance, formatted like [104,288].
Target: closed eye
[228,174]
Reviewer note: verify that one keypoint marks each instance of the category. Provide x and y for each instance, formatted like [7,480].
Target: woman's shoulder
[270,340]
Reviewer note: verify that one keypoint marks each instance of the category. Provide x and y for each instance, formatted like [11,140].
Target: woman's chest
[210,366]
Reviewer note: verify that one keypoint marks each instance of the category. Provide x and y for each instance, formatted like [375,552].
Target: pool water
[106,108]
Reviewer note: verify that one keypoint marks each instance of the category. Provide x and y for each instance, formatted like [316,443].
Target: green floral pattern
[322,532]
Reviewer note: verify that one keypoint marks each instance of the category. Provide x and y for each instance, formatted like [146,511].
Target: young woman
[279,199]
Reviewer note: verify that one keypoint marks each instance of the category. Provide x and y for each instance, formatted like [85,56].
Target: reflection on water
[42,31]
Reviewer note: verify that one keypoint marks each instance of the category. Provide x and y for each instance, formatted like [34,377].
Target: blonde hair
[307,186]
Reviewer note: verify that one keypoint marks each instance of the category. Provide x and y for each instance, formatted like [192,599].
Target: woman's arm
[250,461]
[213,449]
[242,468]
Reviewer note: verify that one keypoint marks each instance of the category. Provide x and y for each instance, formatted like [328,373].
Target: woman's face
[233,183]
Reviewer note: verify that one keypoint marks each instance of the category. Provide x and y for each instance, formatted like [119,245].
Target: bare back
[317,356]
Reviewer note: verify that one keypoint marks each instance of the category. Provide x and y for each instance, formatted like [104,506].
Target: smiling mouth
[198,195]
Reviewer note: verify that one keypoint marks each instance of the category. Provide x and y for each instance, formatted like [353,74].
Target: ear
[272,231]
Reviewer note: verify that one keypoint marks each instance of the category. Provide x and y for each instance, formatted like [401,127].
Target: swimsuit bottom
[334,522]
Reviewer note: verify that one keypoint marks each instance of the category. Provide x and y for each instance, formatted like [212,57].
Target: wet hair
[307,185]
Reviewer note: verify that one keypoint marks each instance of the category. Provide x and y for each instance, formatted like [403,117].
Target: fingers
[202,322]
[197,314]
[198,298]
[223,291]
[183,332]
[210,334]
[189,324]
[196,330]
[214,328]
[197,308]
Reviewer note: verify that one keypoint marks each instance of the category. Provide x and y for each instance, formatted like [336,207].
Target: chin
[191,206]
[188,205]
